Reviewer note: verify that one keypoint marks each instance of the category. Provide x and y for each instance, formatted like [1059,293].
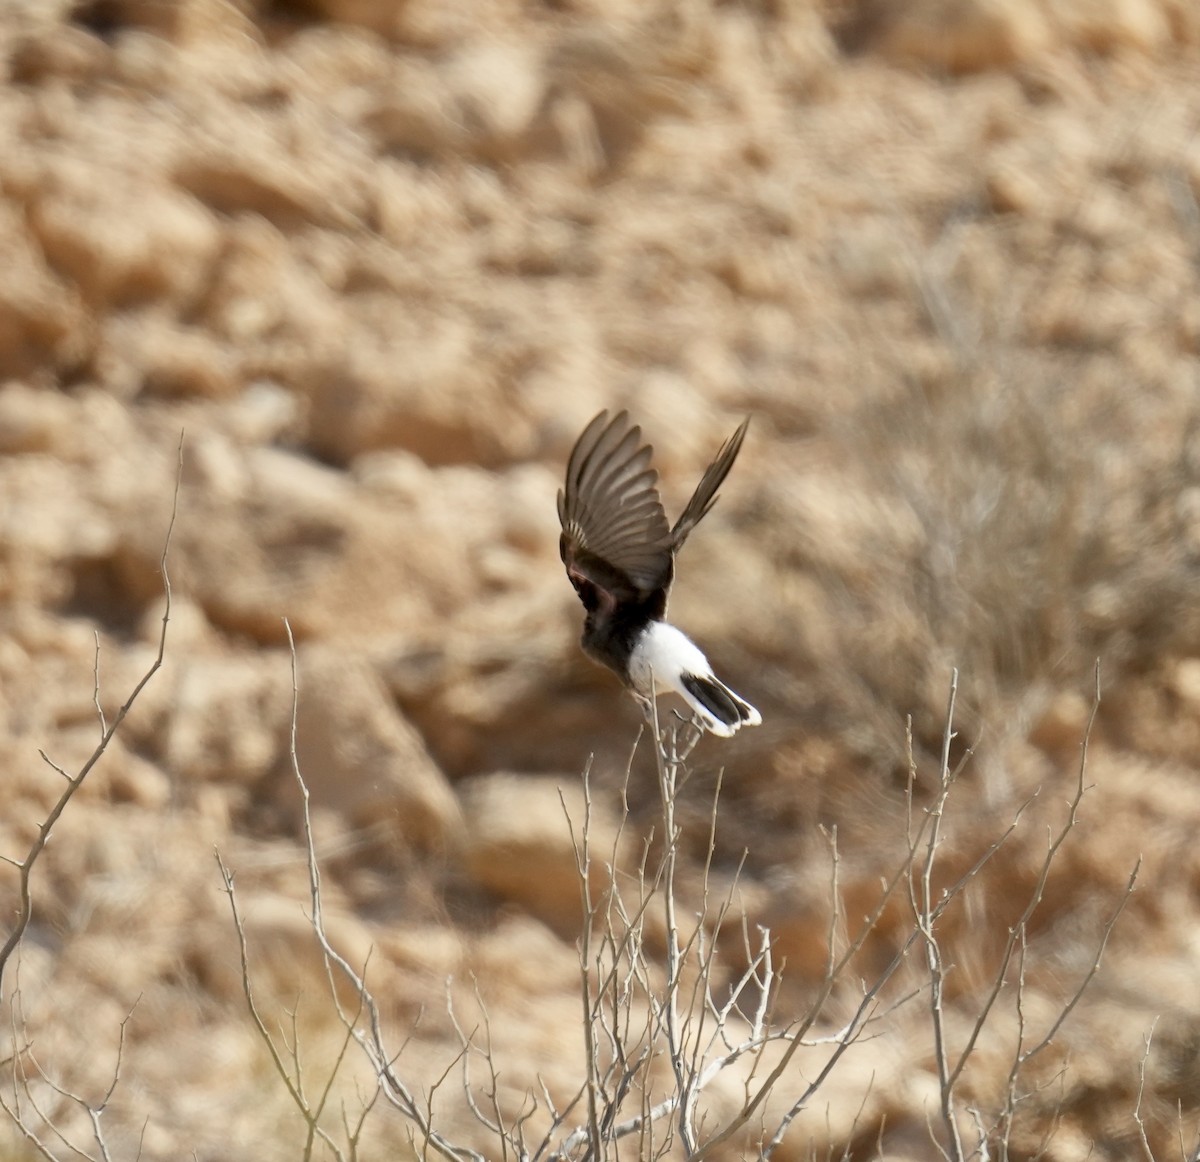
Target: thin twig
[933,951]
[668,772]
[74,782]
[1141,1093]
[370,1040]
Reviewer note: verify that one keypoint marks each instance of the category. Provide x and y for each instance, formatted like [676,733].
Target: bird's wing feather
[705,495]
[615,532]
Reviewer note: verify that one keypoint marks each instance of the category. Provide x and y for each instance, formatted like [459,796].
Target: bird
[619,552]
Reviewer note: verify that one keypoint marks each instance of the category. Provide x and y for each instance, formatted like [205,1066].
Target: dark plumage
[619,553]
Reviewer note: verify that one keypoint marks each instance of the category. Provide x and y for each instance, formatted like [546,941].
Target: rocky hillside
[355,273]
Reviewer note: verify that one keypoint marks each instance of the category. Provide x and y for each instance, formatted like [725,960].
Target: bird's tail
[717,706]
[705,495]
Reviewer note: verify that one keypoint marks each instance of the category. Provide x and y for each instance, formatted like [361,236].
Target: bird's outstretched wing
[615,534]
[705,495]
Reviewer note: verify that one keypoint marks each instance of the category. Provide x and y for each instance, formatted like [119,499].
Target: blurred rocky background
[373,264]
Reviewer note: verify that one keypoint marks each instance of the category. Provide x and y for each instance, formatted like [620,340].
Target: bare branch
[370,1040]
[96,686]
[74,782]
[1141,1092]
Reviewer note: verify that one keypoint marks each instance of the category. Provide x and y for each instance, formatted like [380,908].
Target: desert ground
[338,283]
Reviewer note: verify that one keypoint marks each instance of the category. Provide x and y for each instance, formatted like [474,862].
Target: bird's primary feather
[615,533]
[705,495]
[619,552]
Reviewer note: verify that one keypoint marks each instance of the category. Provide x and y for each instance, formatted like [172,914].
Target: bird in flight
[620,556]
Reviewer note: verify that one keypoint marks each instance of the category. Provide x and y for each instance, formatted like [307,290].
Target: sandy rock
[284,955]
[35,15]
[360,758]
[382,16]
[261,288]
[965,37]
[605,91]
[477,693]
[480,102]
[253,171]
[43,325]
[137,782]
[520,982]
[425,24]
[215,466]
[340,62]
[160,17]
[1185,682]
[230,183]
[875,259]
[228,718]
[515,508]
[117,873]
[221,27]
[62,51]
[272,534]
[1061,726]
[497,89]
[415,117]
[1113,25]
[33,421]
[985,34]
[151,354]
[145,61]
[522,957]
[117,258]
[383,278]
[120,776]
[872,1073]
[434,399]
[263,413]
[262,528]
[52,532]
[1184,20]
[519,843]
[188,633]
[433,953]
[1013,188]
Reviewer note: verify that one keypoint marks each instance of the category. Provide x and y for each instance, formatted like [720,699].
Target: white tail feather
[665,659]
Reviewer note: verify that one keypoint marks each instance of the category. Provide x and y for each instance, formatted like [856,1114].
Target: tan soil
[376,264]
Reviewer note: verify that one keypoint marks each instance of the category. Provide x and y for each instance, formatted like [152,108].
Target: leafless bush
[667,1022]
[37,1104]
[690,1049]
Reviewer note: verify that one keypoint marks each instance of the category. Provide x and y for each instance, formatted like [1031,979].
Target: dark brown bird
[620,556]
